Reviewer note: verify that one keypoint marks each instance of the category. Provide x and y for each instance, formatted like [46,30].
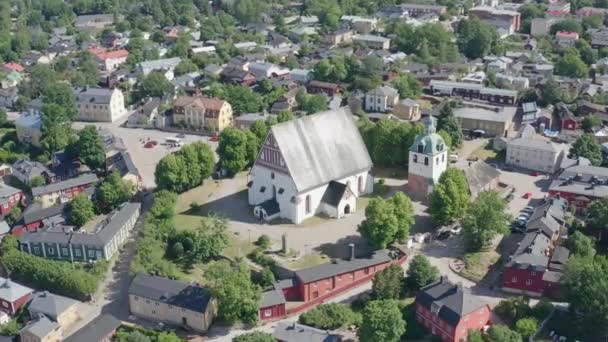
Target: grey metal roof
[271,298]
[452,301]
[169,291]
[384,91]
[7,191]
[295,332]
[96,330]
[532,252]
[338,267]
[51,305]
[322,147]
[84,179]
[4,228]
[12,291]
[160,63]
[41,327]
[35,212]
[479,175]
[94,95]
[534,144]
[30,168]
[471,86]
[110,227]
[334,193]
[504,114]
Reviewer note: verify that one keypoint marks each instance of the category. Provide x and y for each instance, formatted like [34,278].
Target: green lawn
[478,264]
[487,154]
[308,260]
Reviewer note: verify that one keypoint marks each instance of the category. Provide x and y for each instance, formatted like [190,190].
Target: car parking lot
[146,158]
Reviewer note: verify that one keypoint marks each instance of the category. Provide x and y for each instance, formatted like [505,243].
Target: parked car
[181,135]
[443,235]
[456,230]
[453,158]
[509,197]
[527,195]
[524,214]
[528,209]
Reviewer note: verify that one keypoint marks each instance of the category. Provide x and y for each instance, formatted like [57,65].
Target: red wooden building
[448,311]
[567,120]
[580,184]
[9,197]
[318,87]
[13,295]
[536,266]
[314,285]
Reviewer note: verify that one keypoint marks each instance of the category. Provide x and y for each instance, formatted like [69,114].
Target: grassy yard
[478,264]
[487,154]
[308,260]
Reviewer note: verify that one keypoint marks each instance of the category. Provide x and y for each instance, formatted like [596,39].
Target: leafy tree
[450,197]
[447,122]
[254,336]
[263,241]
[387,220]
[60,93]
[475,38]
[408,86]
[585,285]
[589,122]
[163,205]
[331,69]
[597,215]
[388,283]
[132,336]
[580,244]
[387,139]
[586,52]
[502,333]
[90,147]
[586,146]
[234,151]
[382,321]
[10,329]
[420,273]
[80,210]
[185,66]
[571,65]
[167,337]
[241,98]
[13,215]
[114,191]
[513,308]
[485,218]
[153,85]
[238,297]
[475,336]
[330,316]
[526,327]
[283,116]
[551,93]
[185,169]
[311,103]
[447,138]
[37,181]
[569,25]
[259,129]
[202,244]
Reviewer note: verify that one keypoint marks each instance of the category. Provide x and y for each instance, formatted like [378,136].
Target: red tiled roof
[212,103]
[566,34]
[14,66]
[113,54]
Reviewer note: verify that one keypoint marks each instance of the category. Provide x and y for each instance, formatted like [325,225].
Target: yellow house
[200,113]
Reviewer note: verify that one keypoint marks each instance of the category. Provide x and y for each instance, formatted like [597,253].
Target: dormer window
[420,148]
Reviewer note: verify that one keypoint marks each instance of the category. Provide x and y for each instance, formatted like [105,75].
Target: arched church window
[420,148]
[426,161]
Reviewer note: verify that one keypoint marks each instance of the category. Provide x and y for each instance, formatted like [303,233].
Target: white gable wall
[296,212]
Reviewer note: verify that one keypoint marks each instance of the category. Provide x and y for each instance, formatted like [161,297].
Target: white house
[308,166]
[532,152]
[28,126]
[427,160]
[382,99]
[100,104]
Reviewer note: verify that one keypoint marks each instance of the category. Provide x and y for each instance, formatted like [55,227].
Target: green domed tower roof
[430,142]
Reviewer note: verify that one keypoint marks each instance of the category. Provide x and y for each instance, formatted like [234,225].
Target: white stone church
[317,164]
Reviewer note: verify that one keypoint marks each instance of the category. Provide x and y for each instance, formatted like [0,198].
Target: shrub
[330,316]
[260,258]
[263,241]
[526,327]
[542,309]
[254,336]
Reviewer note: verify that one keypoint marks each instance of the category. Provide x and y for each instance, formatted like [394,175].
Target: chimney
[351,248]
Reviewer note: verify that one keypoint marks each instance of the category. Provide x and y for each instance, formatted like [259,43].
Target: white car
[456,230]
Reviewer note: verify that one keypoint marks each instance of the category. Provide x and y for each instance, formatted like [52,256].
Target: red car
[214,137]
[527,195]
[150,144]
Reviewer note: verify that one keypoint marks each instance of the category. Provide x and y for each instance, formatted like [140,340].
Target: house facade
[100,104]
[304,168]
[59,242]
[427,160]
[474,92]
[202,113]
[382,99]
[534,153]
[449,311]
[9,197]
[13,296]
[318,87]
[61,192]
[111,60]
[495,122]
[372,42]
[172,302]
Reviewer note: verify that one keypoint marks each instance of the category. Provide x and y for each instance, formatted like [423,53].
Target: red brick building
[448,311]
[315,285]
[536,266]
[13,295]
[567,120]
[9,197]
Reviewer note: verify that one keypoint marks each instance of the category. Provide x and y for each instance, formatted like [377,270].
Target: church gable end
[270,156]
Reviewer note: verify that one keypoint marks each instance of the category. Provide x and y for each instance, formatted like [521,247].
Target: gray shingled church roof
[322,147]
